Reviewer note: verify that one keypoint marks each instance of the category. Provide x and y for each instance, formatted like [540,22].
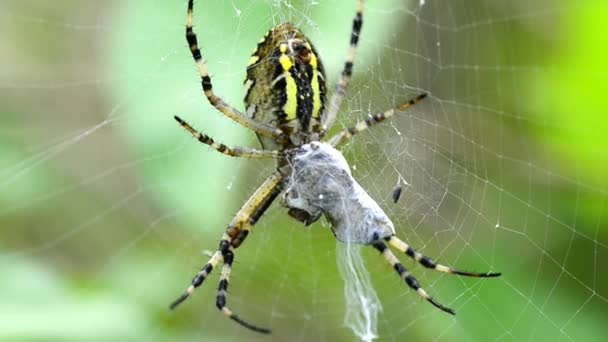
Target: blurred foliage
[106,204]
[570,94]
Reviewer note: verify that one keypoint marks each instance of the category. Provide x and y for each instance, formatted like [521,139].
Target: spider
[286,107]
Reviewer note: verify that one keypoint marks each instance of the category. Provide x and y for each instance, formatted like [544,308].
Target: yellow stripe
[291,90]
[253,59]
[316,93]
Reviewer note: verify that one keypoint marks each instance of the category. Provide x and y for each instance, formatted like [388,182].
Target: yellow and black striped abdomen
[285,85]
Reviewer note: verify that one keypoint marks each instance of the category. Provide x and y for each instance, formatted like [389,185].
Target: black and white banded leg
[361,126]
[340,91]
[233,237]
[407,277]
[198,279]
[216,101]
[427,262]
[233,152]
[222,291]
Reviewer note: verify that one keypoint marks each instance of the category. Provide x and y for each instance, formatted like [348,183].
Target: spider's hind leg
[214,100]
[340,91]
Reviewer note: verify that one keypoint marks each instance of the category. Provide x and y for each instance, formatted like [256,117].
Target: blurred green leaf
[570,94]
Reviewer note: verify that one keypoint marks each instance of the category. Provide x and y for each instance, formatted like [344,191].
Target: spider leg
[233,152]
[222,291]
[348,133]
[427,262]
[216,101]
[198,279]
[340,91]
[233,237]
[405,275]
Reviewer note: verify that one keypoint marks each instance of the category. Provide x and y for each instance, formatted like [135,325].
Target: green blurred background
[106,205]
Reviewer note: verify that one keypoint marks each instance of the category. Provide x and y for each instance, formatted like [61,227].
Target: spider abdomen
[321,183]
[285,85]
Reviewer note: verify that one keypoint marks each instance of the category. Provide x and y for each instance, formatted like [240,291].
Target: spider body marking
[285,87]
[286,107]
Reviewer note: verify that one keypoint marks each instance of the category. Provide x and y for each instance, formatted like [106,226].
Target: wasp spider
[286,107]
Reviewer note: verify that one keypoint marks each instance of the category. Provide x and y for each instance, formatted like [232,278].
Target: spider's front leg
[406,276]
[425,261]
[235,234]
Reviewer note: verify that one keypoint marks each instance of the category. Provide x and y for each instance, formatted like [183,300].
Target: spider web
[107,206]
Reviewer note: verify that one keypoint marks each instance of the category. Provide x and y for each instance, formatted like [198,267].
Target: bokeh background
[107,206]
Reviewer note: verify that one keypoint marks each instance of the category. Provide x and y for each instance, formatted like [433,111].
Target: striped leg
[405,275]
[235,234]
[348,133]
[427,262]
[237,231]
[233,152]
[222,291]
[340,91]
[198,279]
[216,101]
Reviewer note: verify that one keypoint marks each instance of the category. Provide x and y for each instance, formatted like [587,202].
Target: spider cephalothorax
[286,107]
